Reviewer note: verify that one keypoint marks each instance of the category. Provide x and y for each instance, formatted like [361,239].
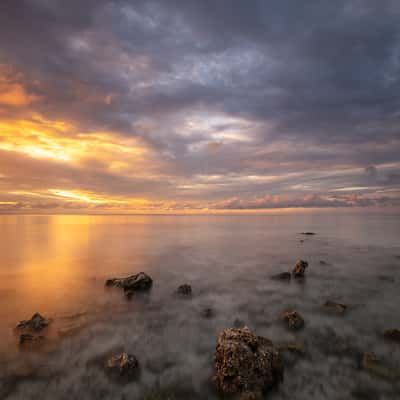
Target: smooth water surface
[57,265]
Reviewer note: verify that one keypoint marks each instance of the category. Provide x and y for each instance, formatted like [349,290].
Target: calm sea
[57,265]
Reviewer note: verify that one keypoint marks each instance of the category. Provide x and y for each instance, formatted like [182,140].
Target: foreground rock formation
[245,364]
[131,284]
[300,269]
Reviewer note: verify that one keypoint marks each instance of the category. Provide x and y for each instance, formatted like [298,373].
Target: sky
[169,106]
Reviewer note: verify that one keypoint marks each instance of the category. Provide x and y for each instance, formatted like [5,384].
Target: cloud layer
[153,105]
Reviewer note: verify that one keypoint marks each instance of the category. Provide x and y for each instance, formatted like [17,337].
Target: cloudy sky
[125,105]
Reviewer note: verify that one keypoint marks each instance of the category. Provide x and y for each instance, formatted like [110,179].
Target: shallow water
[57,265]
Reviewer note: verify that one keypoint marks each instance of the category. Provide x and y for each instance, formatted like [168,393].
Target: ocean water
[57,265]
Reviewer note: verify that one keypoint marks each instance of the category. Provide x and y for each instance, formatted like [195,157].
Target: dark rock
[334,308]
[371,363]
[36,323]
[300,268]
[392,334]
[28,339]
[283,276]
[246,364]
[122,365]
[138,282]
[292,319]
[208,313]
[184,290]
[322,262]
[308,233]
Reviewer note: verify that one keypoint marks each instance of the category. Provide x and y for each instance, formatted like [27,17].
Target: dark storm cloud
[317,83]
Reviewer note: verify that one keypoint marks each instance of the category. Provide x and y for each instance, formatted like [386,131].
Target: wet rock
[138,282]
[28,339]
[292,319]
[36,323]
[208,313]
[308,233]
[184,290]
[334,308]
[371,363]
[299,269]
[122,365]
[392,334]
[283,276]
[246,364]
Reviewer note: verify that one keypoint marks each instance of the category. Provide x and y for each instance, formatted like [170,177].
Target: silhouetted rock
[392,334]
[300,268]
[122,365]
[334,308]
[246,364]
[184,290]
[137,282]
[36,323]
[283,276]
[292,319]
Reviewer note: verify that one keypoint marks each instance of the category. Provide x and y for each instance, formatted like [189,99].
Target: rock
[392,334]
[239,323]
[297,347]
[208,313]
[308,233]
[122,365]
[27,338]
[36,323]
[322,262]
[184,290]
[293,320]
[283,276]
[386,278]
[138,282]
[299,269]
[371,363]
[246,364]
[334,308]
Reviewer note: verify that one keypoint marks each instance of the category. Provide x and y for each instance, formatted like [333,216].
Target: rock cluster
[246,364]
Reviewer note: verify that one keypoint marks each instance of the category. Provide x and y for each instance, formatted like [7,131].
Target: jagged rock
[308,233]
[27,338]
[184,290]
[371,363]
[283,276]
[292,319]
[300,268]
[122,365]
[246,364]
[334,308]
[392,334]
[138,282]
[36,323]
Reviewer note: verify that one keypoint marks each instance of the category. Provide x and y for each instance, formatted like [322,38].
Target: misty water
[57,265]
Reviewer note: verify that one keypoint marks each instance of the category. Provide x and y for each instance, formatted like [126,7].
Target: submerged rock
[137,282]
[208,313]
[334,308]
[184,290]
[36,323]
[392,334]
[28,339]
[297,347]
[283,276]
[246,364]
[299,269]
[293,320]
[371,363]
[122,365]
[308,233]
